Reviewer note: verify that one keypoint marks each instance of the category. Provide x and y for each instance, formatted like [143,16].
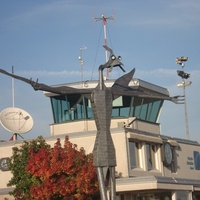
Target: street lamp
[181,61]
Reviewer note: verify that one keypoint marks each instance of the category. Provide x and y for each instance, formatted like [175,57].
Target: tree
[22,180]
[55,173]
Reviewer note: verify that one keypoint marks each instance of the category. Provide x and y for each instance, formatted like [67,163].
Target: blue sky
[41,39]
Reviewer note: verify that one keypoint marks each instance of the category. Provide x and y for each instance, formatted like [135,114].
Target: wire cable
[95,59]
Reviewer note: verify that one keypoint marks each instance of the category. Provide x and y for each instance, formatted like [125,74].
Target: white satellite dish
[16,120]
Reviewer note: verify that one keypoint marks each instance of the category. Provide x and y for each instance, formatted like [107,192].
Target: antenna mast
[104,19]
[81,61]
[13,89]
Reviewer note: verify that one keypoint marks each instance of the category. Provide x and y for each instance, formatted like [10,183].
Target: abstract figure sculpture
[101,100]
[104,150]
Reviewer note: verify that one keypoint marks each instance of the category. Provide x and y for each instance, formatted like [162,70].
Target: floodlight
[182,59]
[183,84]
[182,74]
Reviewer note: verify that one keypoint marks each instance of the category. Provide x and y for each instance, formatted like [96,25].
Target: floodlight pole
[104,19]
[181,61]
[185,109]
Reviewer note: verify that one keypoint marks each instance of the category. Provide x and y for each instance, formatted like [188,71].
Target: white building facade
[150,165]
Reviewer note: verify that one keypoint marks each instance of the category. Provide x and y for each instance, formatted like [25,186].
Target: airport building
[150,166]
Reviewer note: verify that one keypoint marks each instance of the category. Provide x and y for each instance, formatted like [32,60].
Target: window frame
[151,152]
[141,168]
[136,152]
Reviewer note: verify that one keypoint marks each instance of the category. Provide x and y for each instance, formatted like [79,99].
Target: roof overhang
[156,183]
[135,84]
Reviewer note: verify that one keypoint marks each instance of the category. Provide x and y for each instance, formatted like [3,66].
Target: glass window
[121,107]
[154,110]
[76,107]
[60,109]
[151,156]
[120,197]
[183,195]
[152,196]
[88,109]
[70,107]
[196,160]
[134,154]
[146,109]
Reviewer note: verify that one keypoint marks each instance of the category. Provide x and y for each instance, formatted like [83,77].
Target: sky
[42,40]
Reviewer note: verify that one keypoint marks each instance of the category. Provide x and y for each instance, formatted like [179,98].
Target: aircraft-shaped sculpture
[101,99]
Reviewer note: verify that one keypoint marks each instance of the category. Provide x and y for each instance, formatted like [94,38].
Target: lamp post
[80,58]
[181,61]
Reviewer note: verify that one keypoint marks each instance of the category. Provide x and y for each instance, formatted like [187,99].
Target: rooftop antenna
[104,19]
[13,90]
[80,58]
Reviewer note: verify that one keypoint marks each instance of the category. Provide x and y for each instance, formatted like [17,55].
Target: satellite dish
[16,120]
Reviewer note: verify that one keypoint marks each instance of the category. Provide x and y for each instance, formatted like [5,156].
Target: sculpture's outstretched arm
[43,87]
[121,87]
[16,77]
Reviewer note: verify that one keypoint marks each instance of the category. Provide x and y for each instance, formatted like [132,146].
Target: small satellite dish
[16,120]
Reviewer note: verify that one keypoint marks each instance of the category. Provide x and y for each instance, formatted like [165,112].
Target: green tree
[22,180]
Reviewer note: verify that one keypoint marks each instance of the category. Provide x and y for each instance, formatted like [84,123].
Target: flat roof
[135,83]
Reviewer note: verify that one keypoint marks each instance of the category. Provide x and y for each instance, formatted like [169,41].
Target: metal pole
[13,92]
[185,110]
[83,98]
[81,62]
[112,184]
[105,39]
[101,183]
[104,19]
[185,105]
[184,76]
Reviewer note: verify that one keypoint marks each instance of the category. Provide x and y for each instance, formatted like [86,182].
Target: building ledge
[156,183]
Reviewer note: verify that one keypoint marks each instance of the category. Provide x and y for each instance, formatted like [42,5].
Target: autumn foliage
[61,173]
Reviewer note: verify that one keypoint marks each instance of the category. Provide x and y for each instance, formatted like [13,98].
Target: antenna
[104,19]
[13,91]
[83,98]
[80,58]
[16,121]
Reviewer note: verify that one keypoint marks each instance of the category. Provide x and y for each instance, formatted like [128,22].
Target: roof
[136,84]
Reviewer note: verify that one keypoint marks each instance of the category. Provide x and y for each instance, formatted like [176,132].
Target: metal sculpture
[104,150]
[101,100]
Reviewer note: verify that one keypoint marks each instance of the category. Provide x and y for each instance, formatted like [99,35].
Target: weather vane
[104,20]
